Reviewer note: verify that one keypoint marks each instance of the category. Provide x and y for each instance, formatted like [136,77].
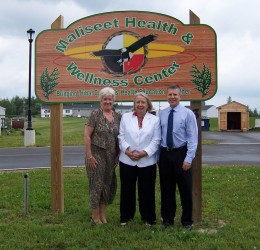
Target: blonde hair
[107,91]
[149,103]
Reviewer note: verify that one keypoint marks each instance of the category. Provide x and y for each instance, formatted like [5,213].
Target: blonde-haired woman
[102,151]
[139,139]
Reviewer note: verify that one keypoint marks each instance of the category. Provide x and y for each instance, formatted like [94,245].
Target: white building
[80,109]
[209,111]
[2,118]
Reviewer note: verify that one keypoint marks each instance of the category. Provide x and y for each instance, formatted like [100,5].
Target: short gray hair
[175,86]
[150,105]
[107,91]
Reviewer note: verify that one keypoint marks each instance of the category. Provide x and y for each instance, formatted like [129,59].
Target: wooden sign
[129,51]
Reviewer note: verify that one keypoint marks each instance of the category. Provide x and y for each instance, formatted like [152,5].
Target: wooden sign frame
[130,51]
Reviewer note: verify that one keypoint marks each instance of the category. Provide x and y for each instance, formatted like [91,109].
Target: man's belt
[182,148]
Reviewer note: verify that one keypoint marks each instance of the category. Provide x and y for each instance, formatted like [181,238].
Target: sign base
[29,138]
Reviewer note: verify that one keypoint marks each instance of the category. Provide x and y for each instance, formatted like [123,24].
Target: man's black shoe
[188,227]
[166,224]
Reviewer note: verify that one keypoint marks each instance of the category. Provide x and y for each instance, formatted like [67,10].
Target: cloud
[15,74]
[236,23]
[238,68]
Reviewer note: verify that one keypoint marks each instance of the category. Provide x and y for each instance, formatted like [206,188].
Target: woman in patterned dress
[102,153]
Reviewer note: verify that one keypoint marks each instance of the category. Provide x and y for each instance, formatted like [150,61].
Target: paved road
[233,148]
[38,157]
[249,138]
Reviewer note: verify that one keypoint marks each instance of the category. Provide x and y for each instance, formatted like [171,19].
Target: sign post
[57,191]
[197,162]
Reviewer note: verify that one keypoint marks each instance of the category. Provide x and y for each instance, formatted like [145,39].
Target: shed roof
[232,104]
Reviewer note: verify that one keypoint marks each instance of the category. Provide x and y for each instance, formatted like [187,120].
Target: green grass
[73,131]
[252,121]
[213,124]
[230,215]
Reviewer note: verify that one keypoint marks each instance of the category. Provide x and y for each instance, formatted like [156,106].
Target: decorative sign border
[130,51]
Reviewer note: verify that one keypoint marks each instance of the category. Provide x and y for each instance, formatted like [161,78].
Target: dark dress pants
[145,177]
[172,174]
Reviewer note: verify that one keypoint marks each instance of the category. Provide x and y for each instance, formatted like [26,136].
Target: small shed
[233,116]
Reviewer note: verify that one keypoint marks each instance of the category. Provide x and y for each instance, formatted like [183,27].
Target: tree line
[253,113]
[17,106]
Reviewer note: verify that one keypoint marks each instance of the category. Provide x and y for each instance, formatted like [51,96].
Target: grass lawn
[73,131]
[230,203]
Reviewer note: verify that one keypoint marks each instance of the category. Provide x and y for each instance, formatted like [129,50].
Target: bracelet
[90,157]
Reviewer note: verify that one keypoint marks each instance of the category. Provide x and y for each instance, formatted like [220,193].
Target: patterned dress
[104,147]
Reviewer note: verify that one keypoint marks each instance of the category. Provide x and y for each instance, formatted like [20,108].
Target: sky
[236,23]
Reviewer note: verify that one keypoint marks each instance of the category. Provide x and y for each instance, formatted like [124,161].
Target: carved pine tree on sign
[202,79]
[49,81]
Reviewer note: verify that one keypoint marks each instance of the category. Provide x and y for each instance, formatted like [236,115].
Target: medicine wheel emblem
[124,52]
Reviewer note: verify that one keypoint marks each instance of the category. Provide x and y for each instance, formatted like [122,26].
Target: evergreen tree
[229,99]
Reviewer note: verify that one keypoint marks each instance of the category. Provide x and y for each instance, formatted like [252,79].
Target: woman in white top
[139,139]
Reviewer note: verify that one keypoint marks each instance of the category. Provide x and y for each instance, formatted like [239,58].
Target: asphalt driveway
[232,137]
[232,149]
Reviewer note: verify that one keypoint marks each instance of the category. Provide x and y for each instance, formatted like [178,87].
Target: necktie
[169,139]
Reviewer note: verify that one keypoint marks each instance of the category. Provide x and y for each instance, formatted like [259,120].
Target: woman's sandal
[93,223]
[104,221]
